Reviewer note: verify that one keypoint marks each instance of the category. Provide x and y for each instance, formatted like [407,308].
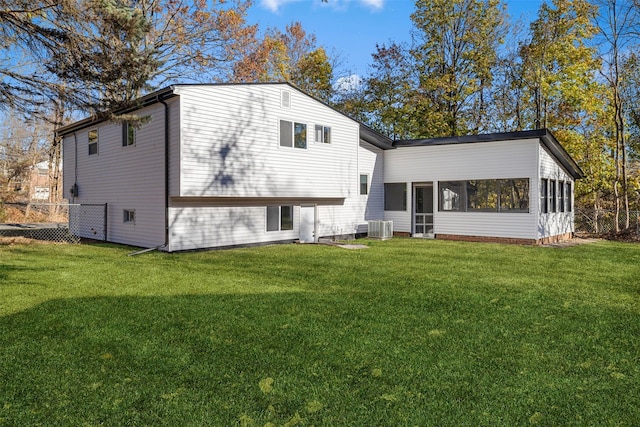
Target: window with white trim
[544,198]
[553,201]
[293,134]
[395,196]
[561,198]
[568,197]
[484,195]
[279,218]
[364,184]
[323,134]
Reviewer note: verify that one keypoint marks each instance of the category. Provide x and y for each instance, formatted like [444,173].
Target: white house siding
[129,178]
[230,145]
[480,160]
[351,217]
[553,223]
[220,226]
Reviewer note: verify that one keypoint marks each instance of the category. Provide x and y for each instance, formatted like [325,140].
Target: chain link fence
[602,222]
[65,223]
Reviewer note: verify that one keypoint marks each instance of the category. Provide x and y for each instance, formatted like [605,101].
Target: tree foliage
[290,56]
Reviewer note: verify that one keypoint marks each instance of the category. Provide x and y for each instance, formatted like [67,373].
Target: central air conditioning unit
[380,230]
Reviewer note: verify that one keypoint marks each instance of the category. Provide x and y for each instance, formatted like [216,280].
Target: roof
[367,134]
[544,135]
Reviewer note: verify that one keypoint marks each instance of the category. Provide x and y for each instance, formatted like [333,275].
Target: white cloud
[274,5]
[373,4]
[348,83]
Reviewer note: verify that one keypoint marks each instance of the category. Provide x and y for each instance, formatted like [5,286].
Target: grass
[407,332]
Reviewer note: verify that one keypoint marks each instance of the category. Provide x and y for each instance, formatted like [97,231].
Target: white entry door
[307,224]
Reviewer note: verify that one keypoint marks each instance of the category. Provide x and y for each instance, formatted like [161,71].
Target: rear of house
[220,165]
[225,165]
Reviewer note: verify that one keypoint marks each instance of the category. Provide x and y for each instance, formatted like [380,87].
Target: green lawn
[407,332]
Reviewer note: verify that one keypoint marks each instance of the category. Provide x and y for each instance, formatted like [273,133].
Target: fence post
[105,221]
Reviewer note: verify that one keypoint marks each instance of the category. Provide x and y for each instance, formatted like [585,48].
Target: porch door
[423,210]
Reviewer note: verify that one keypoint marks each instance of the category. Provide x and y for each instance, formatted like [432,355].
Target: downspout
[166,181]
[166,172]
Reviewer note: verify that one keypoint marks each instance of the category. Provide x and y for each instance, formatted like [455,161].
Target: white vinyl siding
[456,162]
[554,222]
[230,145]
[124,178]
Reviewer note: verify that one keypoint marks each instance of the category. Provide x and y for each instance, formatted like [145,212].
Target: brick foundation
[509,240]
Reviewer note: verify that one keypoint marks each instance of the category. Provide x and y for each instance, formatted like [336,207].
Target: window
[451,194]
[567,196]
[484,195]
[364,184]
[129,216]
[128,134]
[293,134]
[514,195]
[93,141]
[544,200]
[561,203]
[552,196]
[395,196]
[323,134]
[299,135]
[279,218]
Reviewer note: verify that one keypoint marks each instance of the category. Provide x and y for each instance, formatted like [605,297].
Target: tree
[455,51]
[388,92]
[618,26]
[292,57]
[102,54]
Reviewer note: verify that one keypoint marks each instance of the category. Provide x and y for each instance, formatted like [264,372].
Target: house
[218,165]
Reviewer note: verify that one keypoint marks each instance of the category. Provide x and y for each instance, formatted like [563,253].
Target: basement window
[129,215]
[279,218]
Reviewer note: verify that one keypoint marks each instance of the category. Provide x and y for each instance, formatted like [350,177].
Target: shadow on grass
[314,359]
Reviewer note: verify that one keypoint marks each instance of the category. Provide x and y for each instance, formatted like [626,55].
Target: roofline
[544,135]
[375,138]
[141,102]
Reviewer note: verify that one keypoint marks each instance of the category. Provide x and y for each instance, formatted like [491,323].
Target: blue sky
[352,28]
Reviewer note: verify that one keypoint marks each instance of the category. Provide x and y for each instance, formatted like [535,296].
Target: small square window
[293,134]
[323,134]
[93,141]
[129,216]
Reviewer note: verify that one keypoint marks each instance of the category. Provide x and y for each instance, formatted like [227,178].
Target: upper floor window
[93,141]
[293,134]
[323,134]
[128,134]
